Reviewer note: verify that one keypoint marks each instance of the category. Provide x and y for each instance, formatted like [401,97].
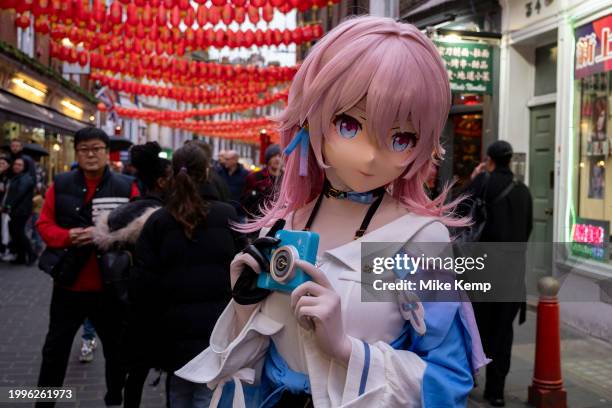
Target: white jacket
[392,378]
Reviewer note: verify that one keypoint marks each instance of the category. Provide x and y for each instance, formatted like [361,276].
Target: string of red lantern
[177,42]
[160,12]
[174,70]
[222,96]
[165,115]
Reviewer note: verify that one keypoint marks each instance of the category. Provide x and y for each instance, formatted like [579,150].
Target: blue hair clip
[301,138]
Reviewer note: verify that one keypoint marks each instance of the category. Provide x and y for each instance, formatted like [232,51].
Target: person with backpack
[501,208]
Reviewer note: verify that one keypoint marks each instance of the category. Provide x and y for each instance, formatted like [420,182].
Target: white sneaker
[87,351]
[9,257]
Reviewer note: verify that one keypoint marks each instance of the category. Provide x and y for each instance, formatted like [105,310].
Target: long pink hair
[401,73]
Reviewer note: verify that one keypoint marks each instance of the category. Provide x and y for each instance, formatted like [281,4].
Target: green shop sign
[469,66]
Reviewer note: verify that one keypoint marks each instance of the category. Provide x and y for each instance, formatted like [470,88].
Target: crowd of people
[21,191]
[135,248]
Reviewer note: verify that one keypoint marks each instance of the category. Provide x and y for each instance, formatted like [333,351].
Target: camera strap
[366,220]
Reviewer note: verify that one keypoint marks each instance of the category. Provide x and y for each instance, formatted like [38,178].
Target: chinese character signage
[590,239]
[594,47]
[469,66]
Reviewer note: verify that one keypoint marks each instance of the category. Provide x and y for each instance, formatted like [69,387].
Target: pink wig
[399,71]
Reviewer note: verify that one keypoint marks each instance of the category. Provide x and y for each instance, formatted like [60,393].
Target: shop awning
[424,6]
[36,115]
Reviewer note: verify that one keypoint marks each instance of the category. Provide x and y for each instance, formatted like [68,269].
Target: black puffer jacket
[183,285]
[19,195]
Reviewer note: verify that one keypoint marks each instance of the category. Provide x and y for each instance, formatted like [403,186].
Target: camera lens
[282,263]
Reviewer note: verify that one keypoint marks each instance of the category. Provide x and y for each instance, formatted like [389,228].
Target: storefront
[471,62]
[36,108]
[587,203]
[554,109]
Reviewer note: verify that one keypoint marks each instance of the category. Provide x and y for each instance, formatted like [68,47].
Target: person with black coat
[117,233]
[18,205]
[509,219]
[5,173]
[182,272]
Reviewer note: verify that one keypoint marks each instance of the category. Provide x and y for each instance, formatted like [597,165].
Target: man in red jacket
[72,204]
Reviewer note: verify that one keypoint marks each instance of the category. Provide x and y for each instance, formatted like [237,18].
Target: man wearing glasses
[72,205]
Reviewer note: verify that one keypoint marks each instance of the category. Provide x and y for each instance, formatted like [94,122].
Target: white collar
[396,233]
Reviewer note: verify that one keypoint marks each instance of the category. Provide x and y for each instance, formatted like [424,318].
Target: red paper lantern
[277,3]
[317,31]
[189,17]
[175,17]
[101,107]
[147,15]
[253,14]
[162,18]
[83,58]
[239,3]
[116,11]
[239,14]
[227,14]
[267,13]
[257,3]
[259,38]
[39,7]
[202,15]
[23,21]
[132,14]
[214,15]
[249,38]
[219,3]
[219,40]
[42,25]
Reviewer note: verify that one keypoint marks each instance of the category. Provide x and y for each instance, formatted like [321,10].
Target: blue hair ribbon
[302,139]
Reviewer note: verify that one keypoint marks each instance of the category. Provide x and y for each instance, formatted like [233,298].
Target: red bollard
[546,390]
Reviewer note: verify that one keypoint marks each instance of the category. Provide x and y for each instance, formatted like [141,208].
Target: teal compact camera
[284,276]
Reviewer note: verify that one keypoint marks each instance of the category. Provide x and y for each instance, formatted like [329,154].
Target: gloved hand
[244,270]
[317,307]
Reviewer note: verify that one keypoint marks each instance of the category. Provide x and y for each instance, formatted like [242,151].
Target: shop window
[593,126]
[546,70]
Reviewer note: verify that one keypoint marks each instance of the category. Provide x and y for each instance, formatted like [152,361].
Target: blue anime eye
[347,126]
[403,141]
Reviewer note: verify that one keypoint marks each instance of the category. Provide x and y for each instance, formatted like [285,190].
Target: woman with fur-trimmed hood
[117,233]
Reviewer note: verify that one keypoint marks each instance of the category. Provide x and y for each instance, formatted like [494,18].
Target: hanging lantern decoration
[161,18]
[239,14]
[38,7]
[175,17]
[227,14]
[214,15]
[42,25]
[257,3]
[189,17]
[267,13]
[202,15]
[23,21]
[116,12]
[219,3]
[253,14]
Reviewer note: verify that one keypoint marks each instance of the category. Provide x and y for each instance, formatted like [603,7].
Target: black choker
[363,198]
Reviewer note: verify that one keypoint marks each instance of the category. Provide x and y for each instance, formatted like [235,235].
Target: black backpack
[478,212]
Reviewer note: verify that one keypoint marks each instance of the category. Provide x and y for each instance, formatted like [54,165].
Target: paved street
[24,301]
[25,294]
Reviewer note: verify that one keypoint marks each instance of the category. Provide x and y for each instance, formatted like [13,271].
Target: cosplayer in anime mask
[365,113]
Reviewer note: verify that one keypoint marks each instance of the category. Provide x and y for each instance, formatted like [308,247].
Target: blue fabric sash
[278,377]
